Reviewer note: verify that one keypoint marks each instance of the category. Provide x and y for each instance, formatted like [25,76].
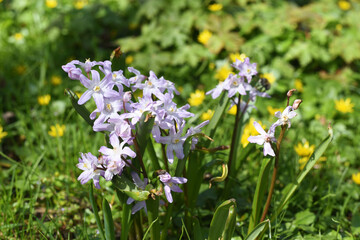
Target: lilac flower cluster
[117,113]
[239,83]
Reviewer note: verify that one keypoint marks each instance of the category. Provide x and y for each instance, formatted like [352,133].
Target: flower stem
[273,178]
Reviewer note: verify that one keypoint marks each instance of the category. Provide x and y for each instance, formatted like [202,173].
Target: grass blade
[80,109]
[108,221]
[217,225]
[96,212]
[257,230]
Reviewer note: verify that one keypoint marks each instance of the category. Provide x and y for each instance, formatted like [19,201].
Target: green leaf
[108,221]
[261,188]
[217,225]
[257,230]
[230,223]
[129,188]
[96,212]
[153,215]
[80,109]
[126,220]
[218,113]
[304,218]
[143,130]
[197,229]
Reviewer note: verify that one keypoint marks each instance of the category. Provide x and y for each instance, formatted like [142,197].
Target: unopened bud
[290,92]
[127,96]
[296,104]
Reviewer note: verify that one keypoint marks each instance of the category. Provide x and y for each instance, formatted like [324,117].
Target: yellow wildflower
[129,59]
[18,36]
[204,37]
[234,56]
[338,27]
[207,115]
[196,98]
[55,80]
[44,99]
[2,133]
[272,110]
[232,110]
[211,66]
[269,76]
[223,72]
[344,105]
[80,4]
[299,85]
[356,178]
[215,7]
[51,3]
[57,130]
[304,150]
[249,130]
[344,5]
[20,69]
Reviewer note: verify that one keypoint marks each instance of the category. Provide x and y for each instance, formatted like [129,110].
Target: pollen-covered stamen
[176,140]
[235,83]
[149,83]
[96,88]
[248,70]
[268,139]
[108,107]
[114,76]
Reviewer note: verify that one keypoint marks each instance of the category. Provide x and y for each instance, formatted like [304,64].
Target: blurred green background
[313,46]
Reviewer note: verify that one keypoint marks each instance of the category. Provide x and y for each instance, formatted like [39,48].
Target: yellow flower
[299,85]
[55,80]
[234,56]
[196,98]
[269,76]
[51,3]
[129,59]
[232,110]
[356,178]
[303,161]
[207,115]
[344,5]
[344,106]
[204,37]
[18,36]
[304,150]
[80,4]
[57,130]
[249,130]
[272,110]
[20,69]
[215,7]
[44,99]
[2,133]
[223,72]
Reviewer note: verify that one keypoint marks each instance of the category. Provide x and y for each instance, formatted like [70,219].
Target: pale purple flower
[245,68]
[89,164]
[138,77]
[72,71]
[195,130]
[215,92]
[175,143]
[118,150]
[284,117]
[152,85]
[235,84]
[170,184]
[265,138]
[110,110]
[139,184]
[97,89]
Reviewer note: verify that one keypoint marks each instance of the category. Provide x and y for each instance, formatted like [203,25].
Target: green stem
[152,154]
[166,222]
[273,178]
[165,157]
[153,217]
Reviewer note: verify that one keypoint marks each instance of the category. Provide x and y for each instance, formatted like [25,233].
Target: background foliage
[309,45]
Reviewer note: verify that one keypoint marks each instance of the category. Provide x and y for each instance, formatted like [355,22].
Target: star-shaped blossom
[170,184]
[89,164]
[175,143]
[265,138]
[235,84]
[245,68]
[215,92]
[285,116]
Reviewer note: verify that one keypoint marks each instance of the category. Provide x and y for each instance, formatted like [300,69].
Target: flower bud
[127,96]
[290,92]
[296,104]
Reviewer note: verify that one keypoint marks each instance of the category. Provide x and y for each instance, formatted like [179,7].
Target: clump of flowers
[44,99]
[57,130]
[196,98]
[344,105]
[118,112]
[204,37]
[356,178]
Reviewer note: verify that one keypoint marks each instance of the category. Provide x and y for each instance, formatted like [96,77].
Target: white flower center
[96,88]
[176,141]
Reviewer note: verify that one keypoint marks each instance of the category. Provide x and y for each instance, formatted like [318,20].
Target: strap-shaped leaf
[80,109]
[108,221]
[218,222]
[96,212]
[230,223]
[257,230]
[143,130]
[261,188]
